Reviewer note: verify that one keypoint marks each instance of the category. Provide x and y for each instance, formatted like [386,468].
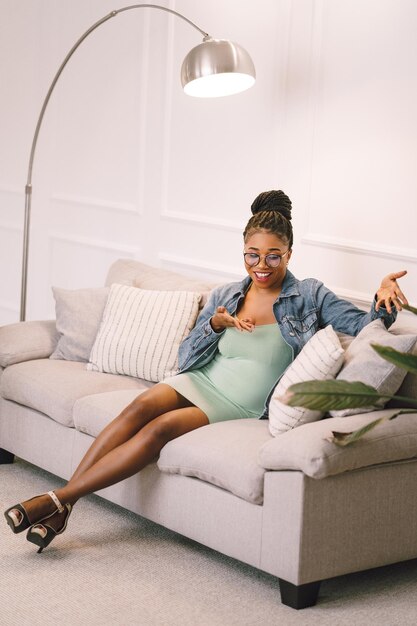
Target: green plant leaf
[345,439]
[402,359]
[410,308]
[330,395]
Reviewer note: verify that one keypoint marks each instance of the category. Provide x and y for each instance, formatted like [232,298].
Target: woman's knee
[153,402]
[172,425]
[161,430]
[139,411]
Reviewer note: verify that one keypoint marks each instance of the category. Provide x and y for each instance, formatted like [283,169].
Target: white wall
[128,166]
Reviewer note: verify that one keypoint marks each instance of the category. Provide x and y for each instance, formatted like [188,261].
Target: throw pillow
[78,317]
[320,359]
[142,330]
[363,364]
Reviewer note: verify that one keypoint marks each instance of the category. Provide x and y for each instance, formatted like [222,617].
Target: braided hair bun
[271,213]
[272,201]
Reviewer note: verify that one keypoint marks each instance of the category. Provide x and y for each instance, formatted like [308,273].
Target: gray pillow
[78,317]
[363,364]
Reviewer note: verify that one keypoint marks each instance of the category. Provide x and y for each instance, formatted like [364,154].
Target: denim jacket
[301,309]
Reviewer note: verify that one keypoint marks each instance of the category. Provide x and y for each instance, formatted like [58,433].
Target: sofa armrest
[25,341]
[306,448]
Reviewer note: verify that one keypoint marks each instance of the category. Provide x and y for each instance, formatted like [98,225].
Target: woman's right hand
[222,319]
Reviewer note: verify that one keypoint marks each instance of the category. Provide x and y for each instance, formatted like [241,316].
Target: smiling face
[263,242]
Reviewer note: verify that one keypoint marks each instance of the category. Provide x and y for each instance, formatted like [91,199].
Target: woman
[247,332]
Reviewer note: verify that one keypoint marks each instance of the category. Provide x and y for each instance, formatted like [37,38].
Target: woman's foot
[56,522]
[27,513]
[42,533]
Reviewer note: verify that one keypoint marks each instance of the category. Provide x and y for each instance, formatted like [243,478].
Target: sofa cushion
[224,454]
[141,332]
[25,341]
[307,448]
[52,387]
[92,413]
[78,317]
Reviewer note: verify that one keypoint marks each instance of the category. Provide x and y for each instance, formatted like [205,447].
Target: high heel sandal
[42,534]
[18,519]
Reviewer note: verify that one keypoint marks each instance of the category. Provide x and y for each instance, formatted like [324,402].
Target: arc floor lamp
[216,67]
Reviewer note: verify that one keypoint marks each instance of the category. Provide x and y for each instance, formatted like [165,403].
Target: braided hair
[271,212]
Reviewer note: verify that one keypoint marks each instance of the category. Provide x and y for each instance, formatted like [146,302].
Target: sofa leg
[299,596]
[6,457]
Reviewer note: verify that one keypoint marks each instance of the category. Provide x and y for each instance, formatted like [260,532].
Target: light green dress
[237,381]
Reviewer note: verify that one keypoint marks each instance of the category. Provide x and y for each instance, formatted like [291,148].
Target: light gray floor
[114,568]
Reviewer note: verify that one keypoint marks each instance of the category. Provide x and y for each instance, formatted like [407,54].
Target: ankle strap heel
[56,500]
[18,518]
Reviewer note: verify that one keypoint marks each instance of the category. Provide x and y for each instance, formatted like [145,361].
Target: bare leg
[123,461]
[145,407]
[133,455]
[157,401]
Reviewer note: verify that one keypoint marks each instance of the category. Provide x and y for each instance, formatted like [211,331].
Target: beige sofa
[295,506]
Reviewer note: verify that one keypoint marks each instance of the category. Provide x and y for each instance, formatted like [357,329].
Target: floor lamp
[216,67]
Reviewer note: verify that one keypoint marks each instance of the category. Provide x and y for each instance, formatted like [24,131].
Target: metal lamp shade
[215,68]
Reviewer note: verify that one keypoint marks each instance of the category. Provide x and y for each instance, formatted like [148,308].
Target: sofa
[296,506]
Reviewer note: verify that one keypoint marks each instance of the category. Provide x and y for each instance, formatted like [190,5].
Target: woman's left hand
[390,293]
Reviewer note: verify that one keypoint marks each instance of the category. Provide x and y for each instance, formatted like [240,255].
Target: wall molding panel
[281,77]
[202,220]
[314,95]
[169,79]
[143,108]
[14,191]
[7,226]
[76,262]
[361,247]
[11,238]
[9,306]
[128,166]
[198,264]
[101,244]
[96,203]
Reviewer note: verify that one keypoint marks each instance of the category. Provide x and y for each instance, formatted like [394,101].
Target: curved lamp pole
[216,67]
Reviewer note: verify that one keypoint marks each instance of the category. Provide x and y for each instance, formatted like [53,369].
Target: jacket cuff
[208,330]
[388,318]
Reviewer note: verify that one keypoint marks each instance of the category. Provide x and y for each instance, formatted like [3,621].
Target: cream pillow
[320,359]
[141,332]
[362,363]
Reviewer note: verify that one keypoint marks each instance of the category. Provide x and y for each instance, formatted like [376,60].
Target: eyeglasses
[272,260]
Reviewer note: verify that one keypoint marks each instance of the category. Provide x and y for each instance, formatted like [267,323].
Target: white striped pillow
[320,359]
[141,331]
